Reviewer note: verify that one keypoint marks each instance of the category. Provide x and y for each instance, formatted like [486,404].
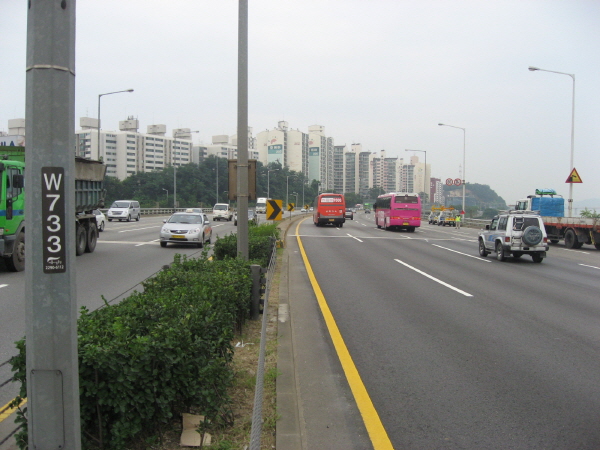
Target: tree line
[202,185]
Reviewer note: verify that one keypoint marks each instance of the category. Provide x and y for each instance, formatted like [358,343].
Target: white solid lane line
[443,283]
[461,253]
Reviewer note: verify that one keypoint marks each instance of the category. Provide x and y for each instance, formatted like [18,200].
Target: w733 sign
[53,219]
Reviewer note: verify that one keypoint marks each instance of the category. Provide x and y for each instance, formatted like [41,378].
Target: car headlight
[165,230]
[194,231]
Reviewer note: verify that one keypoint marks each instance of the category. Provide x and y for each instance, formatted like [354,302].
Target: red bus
[329,208]
[398,210]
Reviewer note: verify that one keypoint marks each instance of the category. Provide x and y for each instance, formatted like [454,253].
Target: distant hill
[579,205]
[485,197]
[590,203]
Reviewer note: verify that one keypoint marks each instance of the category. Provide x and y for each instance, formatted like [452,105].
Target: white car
[186,228]
[100,219]
[124,210]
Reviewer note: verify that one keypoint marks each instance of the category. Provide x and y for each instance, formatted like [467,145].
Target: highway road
[455,350]
[458,351]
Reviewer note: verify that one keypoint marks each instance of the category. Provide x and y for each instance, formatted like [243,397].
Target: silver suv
[515,233]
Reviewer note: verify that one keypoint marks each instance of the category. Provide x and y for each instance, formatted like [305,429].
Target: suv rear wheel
[537,258]
[500,256]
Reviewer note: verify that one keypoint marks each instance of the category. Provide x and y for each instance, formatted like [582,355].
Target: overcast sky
[382,73]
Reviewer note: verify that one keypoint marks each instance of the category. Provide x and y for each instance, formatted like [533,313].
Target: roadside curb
[290,431]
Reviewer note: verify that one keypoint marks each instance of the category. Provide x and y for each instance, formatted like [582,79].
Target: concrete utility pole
[50,290]
[242,131]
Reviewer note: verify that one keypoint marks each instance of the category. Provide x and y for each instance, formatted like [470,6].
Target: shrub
[159,352]
[260,244]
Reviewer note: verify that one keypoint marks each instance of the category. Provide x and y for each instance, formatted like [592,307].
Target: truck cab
[222,211]
[12,210]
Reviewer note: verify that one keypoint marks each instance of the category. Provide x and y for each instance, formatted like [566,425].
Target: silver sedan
[186,228]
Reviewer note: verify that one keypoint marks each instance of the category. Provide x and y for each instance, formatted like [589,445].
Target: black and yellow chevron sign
[274,209]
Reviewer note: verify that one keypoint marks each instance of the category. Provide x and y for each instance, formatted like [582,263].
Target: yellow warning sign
[574,177]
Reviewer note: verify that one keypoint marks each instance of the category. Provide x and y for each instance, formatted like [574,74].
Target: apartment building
[128,151]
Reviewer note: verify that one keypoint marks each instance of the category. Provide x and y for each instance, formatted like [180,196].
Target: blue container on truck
[548,206]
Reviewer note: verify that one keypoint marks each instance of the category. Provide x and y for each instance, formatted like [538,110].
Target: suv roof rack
[519,211]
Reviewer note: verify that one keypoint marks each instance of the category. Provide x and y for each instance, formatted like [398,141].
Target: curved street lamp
[572,75]
[464,159]
[175,133]
[268,181]
[287,188]
[99,97]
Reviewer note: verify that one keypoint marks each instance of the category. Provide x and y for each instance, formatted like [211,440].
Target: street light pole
[99,97]
[269,181]
[572,75]
[287,188]
[167,195]
[175,133]
[464,160]
[425,181]
[295,194]
[217,169]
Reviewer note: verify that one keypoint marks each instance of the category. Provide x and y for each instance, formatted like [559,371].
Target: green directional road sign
[274,209]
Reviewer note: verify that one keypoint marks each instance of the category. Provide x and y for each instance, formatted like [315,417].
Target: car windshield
[220,207]
[120,205]
[185,218]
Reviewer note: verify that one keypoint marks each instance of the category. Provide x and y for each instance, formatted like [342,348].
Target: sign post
[274,209]
[50,274]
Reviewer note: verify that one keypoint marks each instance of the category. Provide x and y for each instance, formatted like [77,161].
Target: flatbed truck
[574,231]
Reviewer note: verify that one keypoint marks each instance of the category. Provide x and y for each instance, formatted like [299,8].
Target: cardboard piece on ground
[189,436]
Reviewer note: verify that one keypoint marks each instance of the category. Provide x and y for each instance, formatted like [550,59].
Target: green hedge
[157,353]
[260,244]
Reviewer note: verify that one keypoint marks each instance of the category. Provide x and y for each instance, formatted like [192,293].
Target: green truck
[89,195]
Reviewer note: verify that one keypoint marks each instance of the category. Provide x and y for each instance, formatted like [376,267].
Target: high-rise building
[272,145]
[127,151]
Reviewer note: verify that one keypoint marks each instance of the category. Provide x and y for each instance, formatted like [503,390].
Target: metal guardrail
[256,430]
[466,222]
[4,410]
[162,211]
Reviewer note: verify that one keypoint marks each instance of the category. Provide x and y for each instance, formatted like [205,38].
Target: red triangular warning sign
[574,177]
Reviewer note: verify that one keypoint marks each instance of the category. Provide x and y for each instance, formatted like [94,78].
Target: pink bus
[398,210]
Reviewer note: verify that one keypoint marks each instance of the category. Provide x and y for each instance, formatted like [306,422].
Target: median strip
[5,411]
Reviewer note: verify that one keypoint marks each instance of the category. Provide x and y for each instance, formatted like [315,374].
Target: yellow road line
[6,411]
[377,433]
